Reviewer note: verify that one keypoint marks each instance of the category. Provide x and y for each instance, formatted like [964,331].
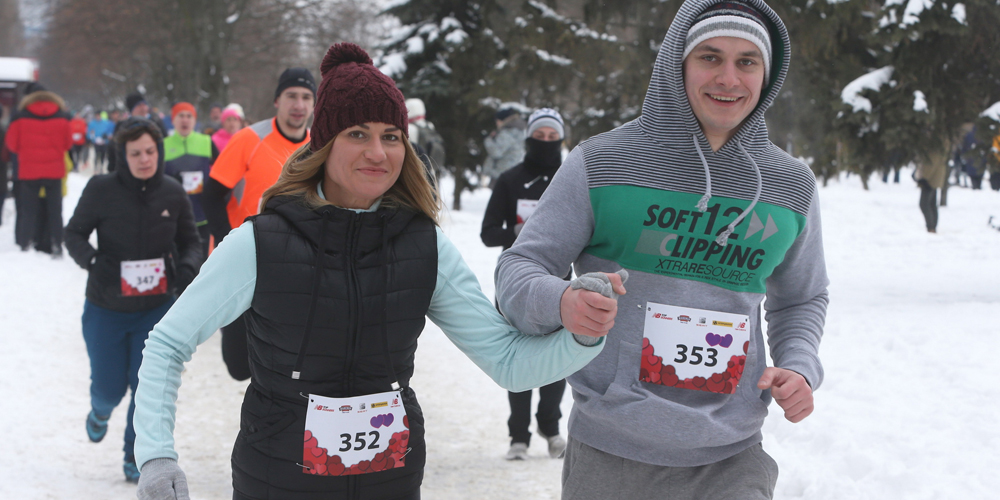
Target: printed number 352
[359,440]
[695,355]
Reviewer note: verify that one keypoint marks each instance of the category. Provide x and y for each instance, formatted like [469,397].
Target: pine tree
[829,48]
[441,54]
[941,57]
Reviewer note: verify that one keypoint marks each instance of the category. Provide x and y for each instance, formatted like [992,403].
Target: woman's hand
[162,479]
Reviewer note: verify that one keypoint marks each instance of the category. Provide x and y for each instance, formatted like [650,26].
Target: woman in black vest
[147,250]
[337,275]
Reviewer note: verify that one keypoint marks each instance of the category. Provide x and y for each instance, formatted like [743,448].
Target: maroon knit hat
[353,92]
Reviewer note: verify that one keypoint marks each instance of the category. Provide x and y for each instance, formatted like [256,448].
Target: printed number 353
[695,355]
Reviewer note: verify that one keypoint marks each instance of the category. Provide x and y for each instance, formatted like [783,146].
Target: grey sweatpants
[591,474]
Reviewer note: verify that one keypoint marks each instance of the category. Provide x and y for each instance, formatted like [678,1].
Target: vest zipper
[354,229]
[355,301]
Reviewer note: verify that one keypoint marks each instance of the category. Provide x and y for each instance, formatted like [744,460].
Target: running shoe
[131,470]
[518,451]
[97,427]
[557,445]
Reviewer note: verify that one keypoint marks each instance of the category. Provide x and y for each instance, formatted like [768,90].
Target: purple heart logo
[388,419]
[713,339]
[377,421]
[726,341]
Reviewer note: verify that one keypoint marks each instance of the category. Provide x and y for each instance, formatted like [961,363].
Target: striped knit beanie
[735,19]
[545,117]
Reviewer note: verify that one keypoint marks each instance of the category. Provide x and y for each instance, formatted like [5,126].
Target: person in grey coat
[709,218]
[505,145]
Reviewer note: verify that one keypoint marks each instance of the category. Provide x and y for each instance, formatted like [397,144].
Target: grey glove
[600,283]
[162,479]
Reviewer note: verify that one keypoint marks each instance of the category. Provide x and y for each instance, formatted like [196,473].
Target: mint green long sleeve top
[224,289]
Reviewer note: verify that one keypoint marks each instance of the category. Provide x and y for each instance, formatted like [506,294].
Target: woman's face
[142,157]
[232,124]
[364,163]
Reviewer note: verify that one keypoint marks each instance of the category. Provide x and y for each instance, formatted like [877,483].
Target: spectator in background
[505,145]
[39,134]
[4,172]
[970,157]
[514,198]
[233,120]
[78,130]
[931,175]
[139,108]
[995,160]
[99,132]
[214,119]
[425,138]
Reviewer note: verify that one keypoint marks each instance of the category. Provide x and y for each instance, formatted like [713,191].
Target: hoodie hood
[125,174]
[667,116]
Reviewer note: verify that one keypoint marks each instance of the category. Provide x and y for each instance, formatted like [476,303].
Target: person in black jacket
[148,251]
[514,198]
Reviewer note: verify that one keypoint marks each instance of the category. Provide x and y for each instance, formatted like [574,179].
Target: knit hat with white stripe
[735,19]
[545,117]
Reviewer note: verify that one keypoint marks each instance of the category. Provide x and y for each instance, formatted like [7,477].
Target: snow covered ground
[908,409]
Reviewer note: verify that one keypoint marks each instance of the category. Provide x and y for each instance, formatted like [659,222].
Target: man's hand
[790,390]
[589,313]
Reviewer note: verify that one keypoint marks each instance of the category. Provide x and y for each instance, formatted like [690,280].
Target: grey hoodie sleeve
[529,275]
[797,297]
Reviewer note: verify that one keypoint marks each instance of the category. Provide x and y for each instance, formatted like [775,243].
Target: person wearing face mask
[148,251]
[514,199]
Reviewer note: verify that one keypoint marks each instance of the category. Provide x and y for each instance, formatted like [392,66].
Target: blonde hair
[305,169]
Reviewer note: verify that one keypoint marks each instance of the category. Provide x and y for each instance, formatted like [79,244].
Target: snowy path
[908,409]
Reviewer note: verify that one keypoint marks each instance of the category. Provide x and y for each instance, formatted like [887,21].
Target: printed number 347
[695,355]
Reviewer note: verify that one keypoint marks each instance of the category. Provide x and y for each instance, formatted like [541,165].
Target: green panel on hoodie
[661,232]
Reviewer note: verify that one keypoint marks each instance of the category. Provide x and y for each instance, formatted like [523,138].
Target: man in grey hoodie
[709,218]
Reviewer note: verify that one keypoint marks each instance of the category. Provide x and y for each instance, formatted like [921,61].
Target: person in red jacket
[39,135]
[78,131]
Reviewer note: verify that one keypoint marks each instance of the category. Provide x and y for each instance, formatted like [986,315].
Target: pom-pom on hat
[353,91]
[735,19]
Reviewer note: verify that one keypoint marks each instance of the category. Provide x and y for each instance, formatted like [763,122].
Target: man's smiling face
[723,77]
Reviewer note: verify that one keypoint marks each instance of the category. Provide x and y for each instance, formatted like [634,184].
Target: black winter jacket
[341,298]
[135,220]
[524,181]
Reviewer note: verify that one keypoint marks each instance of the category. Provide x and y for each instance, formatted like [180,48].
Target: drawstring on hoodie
[703,203]
[300,360]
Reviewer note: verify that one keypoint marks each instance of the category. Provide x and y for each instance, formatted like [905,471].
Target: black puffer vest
[336,292]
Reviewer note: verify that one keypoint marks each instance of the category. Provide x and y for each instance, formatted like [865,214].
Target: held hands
[589,305]
[790,391]
[162,479]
